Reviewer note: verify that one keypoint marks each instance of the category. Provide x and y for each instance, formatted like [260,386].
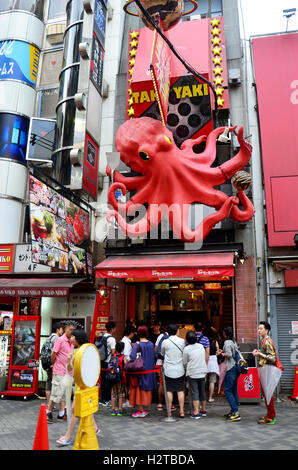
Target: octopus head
[142,143]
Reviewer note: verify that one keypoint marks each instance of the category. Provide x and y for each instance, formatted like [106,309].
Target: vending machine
[25,342]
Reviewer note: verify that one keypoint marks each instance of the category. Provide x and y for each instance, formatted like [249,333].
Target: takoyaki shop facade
[32,299]
[182,287]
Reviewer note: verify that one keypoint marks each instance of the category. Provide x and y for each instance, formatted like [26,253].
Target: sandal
[181,415]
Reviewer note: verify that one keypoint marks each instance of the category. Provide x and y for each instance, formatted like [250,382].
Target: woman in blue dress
[141,386]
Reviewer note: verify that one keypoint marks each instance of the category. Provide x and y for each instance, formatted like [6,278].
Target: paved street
[18,420]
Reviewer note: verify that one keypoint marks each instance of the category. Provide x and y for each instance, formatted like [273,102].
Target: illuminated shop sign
[60,230]
[100,15]
[13,136]
[90,171]
[6,258]
[19,61]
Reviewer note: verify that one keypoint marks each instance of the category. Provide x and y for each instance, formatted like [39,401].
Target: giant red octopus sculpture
[171,179]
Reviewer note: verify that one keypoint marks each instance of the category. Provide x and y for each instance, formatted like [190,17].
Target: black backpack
[102,345]
[45,353]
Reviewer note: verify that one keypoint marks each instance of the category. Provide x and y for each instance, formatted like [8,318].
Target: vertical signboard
[100,16]
[101,312]
[90,171]
[278,98]
[160,68]
[97,63]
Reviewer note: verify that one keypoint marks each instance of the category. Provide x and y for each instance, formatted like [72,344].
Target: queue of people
[190,365]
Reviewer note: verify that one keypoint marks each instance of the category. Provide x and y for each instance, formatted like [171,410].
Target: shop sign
[23,261]
[19,61]
[100,15]
[101,312]
[34,292]
[212,285]
[60,229]
[22,379]
[160,68]
[96,64]
[6,258]
[90,171]
[3,354]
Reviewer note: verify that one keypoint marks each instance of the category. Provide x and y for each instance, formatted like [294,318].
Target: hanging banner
[101,312]
[160,68]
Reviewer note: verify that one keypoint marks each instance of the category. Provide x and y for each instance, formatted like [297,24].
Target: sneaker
[195,416]
[50,419]
[63,442]
[122,413]
[61,418]
[211,400]
[203,413]
[173,408]
[113,413]
[159,407]
[126,405]
[234,417]
[106,403]
[265,420]
[228,414]
[140,414]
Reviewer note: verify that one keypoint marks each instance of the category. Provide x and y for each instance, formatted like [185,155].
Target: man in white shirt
[172,351]
[127,336]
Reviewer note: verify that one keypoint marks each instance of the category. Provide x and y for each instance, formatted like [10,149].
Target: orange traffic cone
[295,391]
[41,440]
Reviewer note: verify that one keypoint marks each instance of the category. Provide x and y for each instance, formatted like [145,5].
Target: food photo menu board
[60,229]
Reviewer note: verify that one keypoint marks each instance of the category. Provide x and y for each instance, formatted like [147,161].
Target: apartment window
[57,9]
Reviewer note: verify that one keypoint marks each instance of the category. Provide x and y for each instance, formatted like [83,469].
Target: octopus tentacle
[183,232]
[131,182]
[188,144]
[139,228]
[248,209]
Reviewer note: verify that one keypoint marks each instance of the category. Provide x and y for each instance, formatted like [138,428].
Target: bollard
[169,418]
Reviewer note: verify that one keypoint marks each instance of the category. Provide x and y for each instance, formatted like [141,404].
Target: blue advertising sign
[19,61]
[100,15]
[14,131]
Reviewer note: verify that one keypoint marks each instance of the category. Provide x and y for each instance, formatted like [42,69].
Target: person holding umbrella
[269,371]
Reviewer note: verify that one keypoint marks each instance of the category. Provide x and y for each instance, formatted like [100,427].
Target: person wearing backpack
[108,343]
[159,362]
[232,375]
[45,356]
[116,376]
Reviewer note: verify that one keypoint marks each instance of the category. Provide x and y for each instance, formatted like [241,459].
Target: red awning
[197,266]
[39,287]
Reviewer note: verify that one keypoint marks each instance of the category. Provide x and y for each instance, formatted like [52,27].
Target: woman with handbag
[141,386]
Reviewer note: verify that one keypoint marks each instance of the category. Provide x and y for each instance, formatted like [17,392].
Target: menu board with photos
[60,229]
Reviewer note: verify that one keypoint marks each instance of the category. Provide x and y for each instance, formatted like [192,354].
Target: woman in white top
[172,351]
[194,360]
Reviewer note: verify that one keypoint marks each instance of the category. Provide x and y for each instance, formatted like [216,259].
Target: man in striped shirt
[203,340]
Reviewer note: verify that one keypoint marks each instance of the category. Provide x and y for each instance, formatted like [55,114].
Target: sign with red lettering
[101,312]
[90,170]
[6,258]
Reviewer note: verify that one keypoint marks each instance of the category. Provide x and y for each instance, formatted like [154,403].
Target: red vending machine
[25,341]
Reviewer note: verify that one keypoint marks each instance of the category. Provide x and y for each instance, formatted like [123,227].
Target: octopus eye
[168,139]
[144,155]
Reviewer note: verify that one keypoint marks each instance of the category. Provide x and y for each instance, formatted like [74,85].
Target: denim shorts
[197,388]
